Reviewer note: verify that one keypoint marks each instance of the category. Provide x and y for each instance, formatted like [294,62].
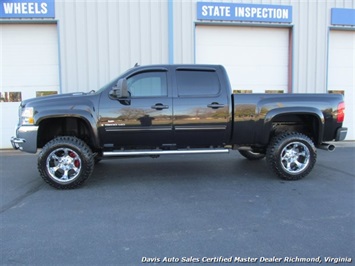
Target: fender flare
[84,115]
[312,111]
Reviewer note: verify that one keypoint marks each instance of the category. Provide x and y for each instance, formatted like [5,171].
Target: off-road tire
[291,155]
[65,162]
[253,156]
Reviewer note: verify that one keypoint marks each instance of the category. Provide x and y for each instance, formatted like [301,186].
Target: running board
[162,152]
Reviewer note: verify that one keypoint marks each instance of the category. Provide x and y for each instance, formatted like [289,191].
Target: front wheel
[65,162]
[291,155]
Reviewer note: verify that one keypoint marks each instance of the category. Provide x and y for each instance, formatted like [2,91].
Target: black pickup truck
[175,109]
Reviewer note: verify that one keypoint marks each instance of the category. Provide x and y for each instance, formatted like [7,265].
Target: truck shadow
[175,169]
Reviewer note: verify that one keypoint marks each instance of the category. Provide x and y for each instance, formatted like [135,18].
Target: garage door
[256,58]
[28,68]
[341,77]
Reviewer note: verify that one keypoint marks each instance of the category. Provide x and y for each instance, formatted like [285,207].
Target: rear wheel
[250,155]
[65,162]
[291,155]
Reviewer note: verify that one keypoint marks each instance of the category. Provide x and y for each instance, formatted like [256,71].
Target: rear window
[197,83]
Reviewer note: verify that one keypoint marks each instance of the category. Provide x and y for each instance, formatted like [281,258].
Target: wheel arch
[309,121]
[74,125]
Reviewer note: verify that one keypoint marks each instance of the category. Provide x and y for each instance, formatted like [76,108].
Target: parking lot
[187,209]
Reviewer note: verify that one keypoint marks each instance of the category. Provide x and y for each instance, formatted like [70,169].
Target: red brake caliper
[76,162]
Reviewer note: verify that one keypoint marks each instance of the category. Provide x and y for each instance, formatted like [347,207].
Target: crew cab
[175,109]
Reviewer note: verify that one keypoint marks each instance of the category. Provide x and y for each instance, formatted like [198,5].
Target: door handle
[159,106]
[215,105]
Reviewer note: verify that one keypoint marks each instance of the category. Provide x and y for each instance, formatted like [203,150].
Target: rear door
[201,110]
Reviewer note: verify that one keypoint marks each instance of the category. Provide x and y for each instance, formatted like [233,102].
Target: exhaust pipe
[327,147]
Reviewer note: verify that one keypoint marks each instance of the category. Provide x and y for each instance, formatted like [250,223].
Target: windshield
[112,83]
[109,85]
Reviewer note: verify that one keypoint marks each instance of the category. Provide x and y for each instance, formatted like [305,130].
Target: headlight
[27,116]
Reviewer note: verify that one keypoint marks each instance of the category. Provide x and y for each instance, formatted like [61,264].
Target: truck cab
[166,107]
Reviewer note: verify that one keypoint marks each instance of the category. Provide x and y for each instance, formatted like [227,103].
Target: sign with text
[343,16]
[244,12]
[27,9]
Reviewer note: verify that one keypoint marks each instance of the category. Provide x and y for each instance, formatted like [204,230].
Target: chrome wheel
[291,155]
[63,165]
[295,157]
[65,162]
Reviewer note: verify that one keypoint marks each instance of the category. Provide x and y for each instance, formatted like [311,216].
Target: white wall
[100,39]
[342,72]
[311,21]
[29,63]
[256,58]
[120,33]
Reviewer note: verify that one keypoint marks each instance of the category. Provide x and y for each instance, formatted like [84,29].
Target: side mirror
[120,91]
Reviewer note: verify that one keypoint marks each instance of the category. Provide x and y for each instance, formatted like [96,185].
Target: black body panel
[183,107]
[193,111]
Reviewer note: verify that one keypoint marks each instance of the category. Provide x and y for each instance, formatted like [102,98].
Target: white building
[59,46]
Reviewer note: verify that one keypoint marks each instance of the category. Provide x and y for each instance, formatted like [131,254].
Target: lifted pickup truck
[175,109]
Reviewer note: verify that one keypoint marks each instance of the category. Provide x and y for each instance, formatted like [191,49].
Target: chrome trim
[178,128]
[341,134]
[162,128]
[163,152]
[63,165]
[137,129]
[295,157]
[326,147]
[16,141]
[25,139]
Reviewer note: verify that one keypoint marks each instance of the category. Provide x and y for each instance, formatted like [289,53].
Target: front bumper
[26,139]
[341,134]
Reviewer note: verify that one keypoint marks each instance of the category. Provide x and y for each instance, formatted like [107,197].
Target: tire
[291,155]
[65,162]
[253,156]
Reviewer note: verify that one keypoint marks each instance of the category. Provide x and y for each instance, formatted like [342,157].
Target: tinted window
[197,82]
[148,84]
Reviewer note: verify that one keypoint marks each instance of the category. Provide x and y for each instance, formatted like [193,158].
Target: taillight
[341,112]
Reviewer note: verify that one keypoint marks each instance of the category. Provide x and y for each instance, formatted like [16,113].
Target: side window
[197,82]
[148,84]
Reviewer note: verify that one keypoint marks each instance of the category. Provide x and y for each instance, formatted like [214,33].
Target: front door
[144,120]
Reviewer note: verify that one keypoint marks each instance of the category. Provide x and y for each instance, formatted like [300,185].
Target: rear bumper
[341,134]
[25,139]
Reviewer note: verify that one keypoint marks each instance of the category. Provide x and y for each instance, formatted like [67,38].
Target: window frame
[204,95]
[162,71]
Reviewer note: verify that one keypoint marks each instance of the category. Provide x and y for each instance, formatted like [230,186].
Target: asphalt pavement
[186,209]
